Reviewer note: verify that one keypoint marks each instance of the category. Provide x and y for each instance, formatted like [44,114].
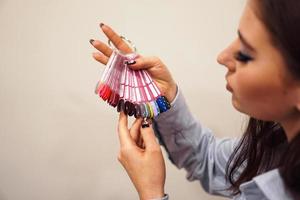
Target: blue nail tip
[162,104]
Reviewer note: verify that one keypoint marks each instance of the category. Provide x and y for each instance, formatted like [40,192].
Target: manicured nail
[145,125]
[131,62]
[91,41]
[101,24]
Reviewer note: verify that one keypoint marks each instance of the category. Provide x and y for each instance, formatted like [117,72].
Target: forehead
[254,31]
[252,27]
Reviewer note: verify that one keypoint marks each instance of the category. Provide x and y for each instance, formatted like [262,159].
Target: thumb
[144,63]
[123,132]
[149,137]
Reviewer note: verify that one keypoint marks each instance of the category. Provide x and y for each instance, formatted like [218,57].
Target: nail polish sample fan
[132,91]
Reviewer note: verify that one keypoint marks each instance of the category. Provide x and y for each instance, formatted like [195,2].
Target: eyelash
[240,56]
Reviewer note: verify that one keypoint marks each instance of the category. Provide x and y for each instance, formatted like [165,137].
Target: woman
[263,76]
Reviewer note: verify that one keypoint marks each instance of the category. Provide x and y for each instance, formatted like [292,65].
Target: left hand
[154,66]
[141,156]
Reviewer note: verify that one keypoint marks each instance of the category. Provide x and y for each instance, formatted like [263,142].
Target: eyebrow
[244,41]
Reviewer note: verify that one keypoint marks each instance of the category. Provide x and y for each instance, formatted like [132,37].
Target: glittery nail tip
[137,111]
[131,109]
[120,106]
[126,107]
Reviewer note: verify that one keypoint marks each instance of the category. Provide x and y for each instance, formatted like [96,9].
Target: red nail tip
[103,91]
[111,98]
[113,102]
[98,88]
[101,86]
[107,93]
[116,100]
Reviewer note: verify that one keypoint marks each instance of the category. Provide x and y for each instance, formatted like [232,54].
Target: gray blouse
[193,147]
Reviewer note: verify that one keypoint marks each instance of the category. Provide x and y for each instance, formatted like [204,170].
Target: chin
[240,109]
[257,115]
[235,104]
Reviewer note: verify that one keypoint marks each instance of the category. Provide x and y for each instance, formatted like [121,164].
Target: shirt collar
[272,186]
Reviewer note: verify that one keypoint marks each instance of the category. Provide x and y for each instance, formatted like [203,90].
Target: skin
[261,88]
[140,154]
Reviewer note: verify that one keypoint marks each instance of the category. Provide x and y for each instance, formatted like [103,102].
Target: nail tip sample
[91,41]
[131,91]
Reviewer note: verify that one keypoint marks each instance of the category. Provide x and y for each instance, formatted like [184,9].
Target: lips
[229,88]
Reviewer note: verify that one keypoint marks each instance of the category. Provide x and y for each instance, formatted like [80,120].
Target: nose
[226,58]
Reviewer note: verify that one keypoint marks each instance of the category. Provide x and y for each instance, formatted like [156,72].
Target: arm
[189,144]
[193,147]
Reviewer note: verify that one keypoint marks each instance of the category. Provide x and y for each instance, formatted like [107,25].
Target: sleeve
[193,147]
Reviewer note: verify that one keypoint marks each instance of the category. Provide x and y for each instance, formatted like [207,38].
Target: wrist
[152,195]
[171,92]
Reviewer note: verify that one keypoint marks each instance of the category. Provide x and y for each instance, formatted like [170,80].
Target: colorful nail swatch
[131,91]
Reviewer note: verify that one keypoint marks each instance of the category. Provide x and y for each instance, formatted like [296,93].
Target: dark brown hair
[264,144]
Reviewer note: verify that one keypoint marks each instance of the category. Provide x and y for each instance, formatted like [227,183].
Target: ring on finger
[131,44]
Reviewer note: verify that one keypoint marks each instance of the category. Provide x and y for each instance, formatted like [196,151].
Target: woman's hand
[141,156]
[155,67]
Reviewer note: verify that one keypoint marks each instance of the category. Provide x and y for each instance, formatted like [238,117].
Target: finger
[135,129]
[144,63]
[116,39]
[143,145]
[140,141]
[103,48]
[100,57]
[149,137]
[124,135]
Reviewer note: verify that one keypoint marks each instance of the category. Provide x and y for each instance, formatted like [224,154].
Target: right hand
[141,156]
[155,67]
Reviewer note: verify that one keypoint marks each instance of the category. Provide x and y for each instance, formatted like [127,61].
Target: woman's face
[257,76]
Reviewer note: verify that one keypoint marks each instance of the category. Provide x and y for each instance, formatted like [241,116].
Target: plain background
[58,140]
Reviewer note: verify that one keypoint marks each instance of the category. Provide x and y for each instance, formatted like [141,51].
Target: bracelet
[165,197]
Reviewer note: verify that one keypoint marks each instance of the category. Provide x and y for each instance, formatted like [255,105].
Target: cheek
[259,96]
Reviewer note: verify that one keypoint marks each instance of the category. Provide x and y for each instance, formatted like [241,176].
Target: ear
[298,99]
[298,106]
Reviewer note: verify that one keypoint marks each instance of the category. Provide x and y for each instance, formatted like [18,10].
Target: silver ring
[131,44]
[145,123]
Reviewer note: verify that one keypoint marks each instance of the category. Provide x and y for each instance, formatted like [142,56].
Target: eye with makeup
[242,57]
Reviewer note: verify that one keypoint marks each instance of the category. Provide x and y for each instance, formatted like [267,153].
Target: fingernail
[145,125]
[131,62]
[101,24]
[91,41]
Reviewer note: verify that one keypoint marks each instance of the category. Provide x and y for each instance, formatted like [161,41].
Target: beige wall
[57,139]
